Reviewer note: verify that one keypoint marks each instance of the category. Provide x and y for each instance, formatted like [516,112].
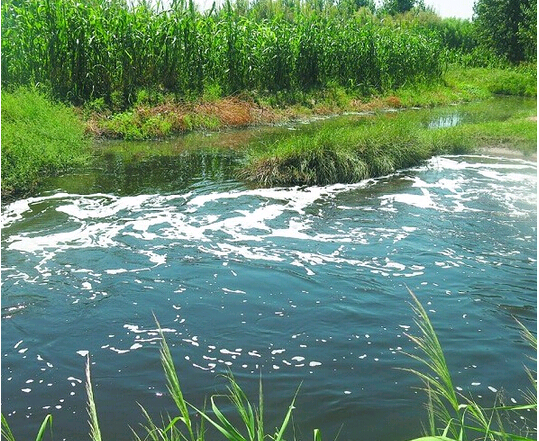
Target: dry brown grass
[393,101]
[186,116]
[231,111]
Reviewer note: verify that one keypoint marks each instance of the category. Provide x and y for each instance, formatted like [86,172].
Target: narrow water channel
[296,285]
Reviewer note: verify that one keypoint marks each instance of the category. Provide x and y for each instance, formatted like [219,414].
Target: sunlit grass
[116,51]
[39,138]
[454,416]
[348,150]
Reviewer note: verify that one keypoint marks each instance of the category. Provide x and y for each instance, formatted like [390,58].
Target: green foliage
[519,81]
[509,27]
[121,54]
[460,416]
[397,6]
[182,427]
[527,30]
[8,435]
[39,138]
[349,150]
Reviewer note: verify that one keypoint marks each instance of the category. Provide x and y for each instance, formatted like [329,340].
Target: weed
[452,415]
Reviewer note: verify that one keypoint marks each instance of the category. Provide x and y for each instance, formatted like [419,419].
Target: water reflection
[445,121]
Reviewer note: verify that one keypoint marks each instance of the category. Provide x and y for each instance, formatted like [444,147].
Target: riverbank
[40,138]
[342,153]
[507,152]
[377,151]
[151,119]
[349,150]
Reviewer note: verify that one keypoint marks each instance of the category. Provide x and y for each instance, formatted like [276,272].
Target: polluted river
[300,287]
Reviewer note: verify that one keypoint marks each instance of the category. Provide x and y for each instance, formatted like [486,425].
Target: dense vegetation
[108,50]
[39,137]
[114,53]
[142,70]
[349,150]
[508,27]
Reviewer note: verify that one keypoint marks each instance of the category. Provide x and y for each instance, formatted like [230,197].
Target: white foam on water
[247,226]
[103,221]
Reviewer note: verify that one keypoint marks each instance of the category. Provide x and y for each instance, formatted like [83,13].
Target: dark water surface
[300,285]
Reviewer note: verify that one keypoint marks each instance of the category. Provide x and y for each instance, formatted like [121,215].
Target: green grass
[454,416]
[353,149]
[165,116]
[39,138]
[519,80]
[464,84]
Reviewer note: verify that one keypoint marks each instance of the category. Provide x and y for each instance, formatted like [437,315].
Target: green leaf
[6,431]
[433,438]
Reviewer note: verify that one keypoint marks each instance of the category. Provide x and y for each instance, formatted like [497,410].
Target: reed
[454,416]
[95,431]
[182,427]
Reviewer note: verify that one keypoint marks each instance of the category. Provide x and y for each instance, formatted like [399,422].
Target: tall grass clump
[332,155]
[454,416]
[39,138]
[347,150]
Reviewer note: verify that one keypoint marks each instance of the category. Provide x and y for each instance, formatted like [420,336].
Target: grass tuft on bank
[39,138]
[350,151]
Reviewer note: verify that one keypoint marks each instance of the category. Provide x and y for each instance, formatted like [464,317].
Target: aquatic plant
[251,416]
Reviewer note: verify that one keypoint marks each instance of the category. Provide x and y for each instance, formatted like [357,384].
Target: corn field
[112,49]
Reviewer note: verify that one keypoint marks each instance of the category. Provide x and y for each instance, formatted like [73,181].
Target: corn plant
[113,49]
